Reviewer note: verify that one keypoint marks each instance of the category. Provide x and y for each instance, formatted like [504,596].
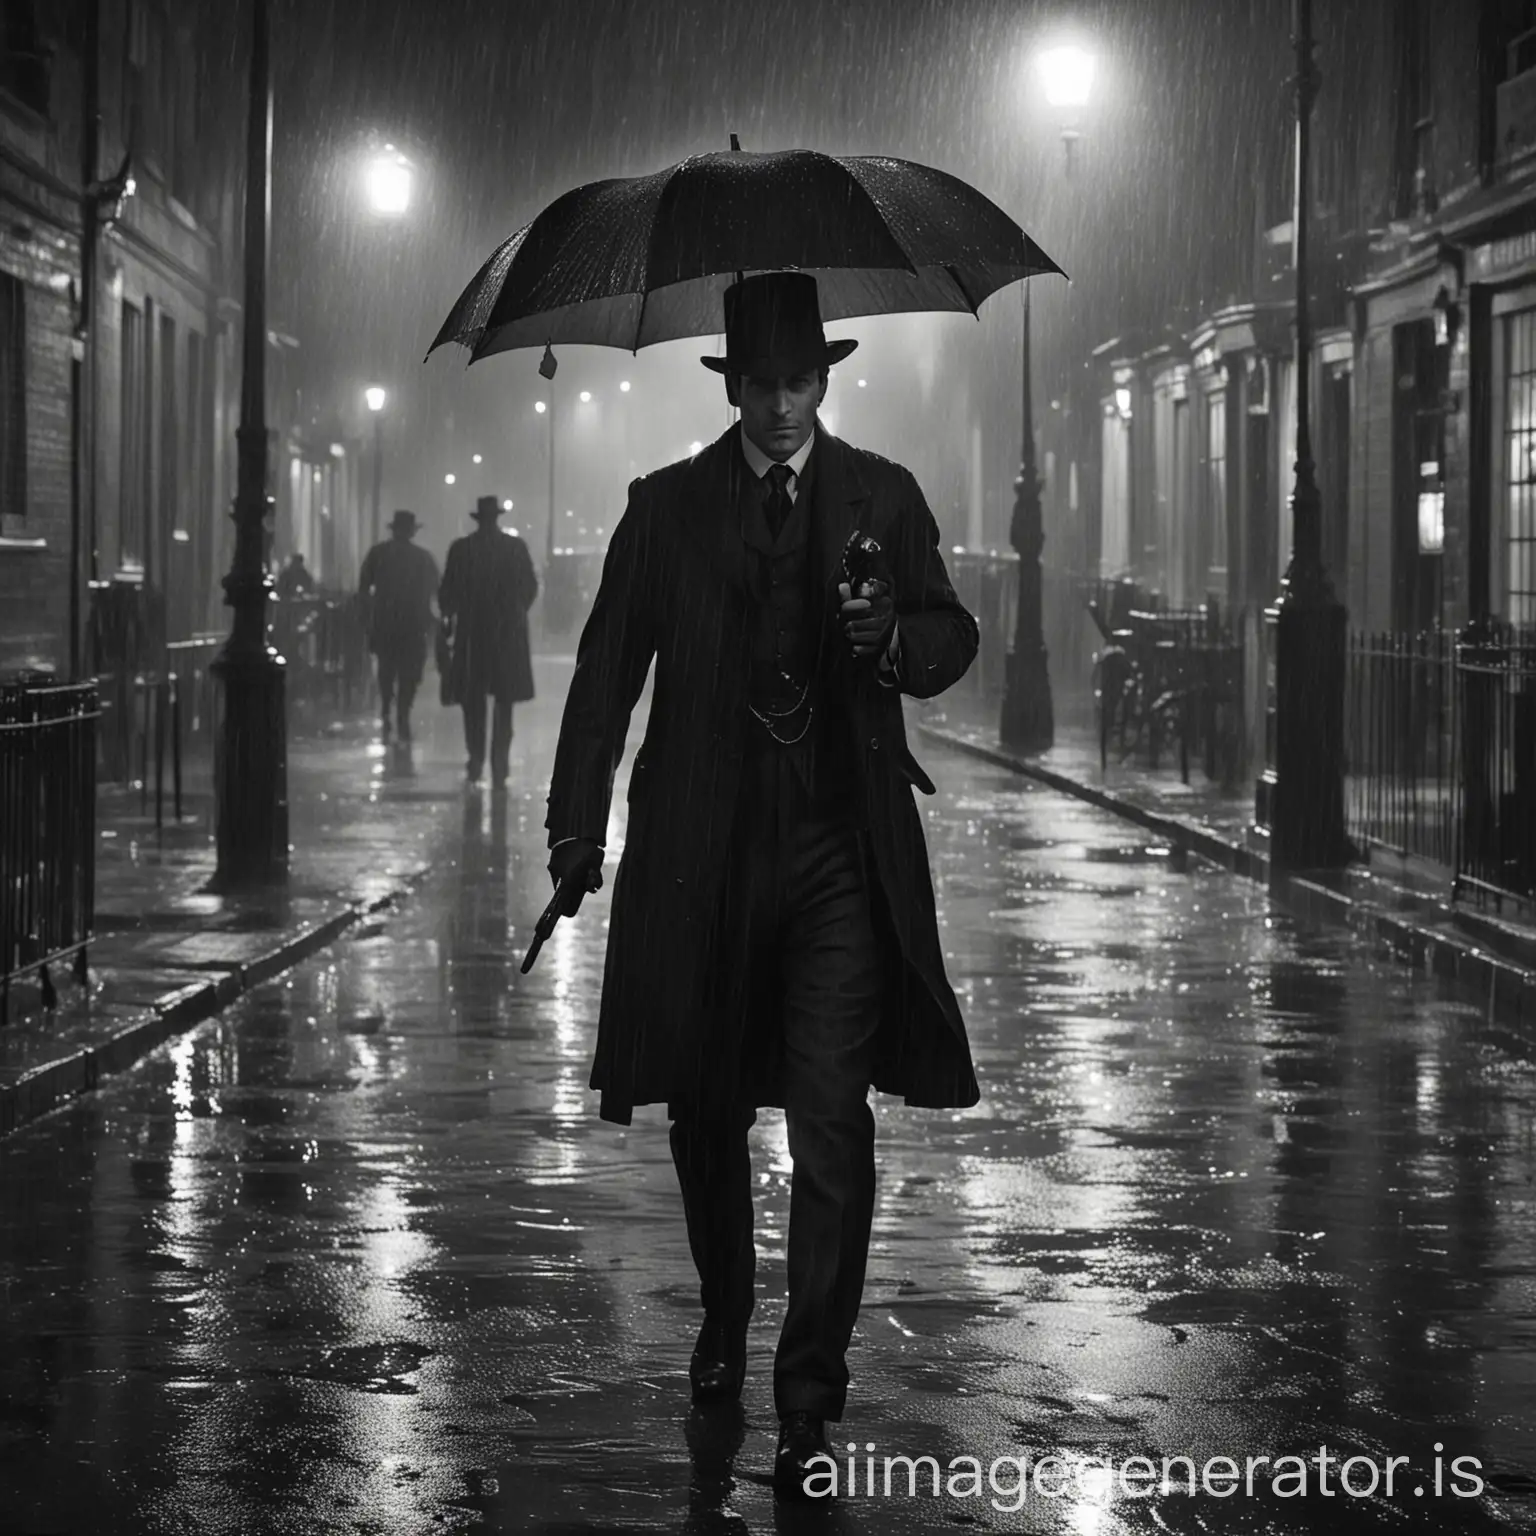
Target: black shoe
[802,1438]
[405,728]
[719,1363]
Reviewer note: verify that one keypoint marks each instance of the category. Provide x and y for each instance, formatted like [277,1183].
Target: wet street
[358,1256]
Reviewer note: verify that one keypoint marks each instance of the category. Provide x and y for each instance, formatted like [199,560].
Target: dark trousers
[796,889]
[399,678]
[475,701]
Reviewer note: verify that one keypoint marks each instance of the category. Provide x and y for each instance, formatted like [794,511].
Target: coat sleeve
[448,592]
[527,577]
[612,659]
[937,634]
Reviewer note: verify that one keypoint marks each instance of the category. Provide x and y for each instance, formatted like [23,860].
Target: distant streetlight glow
[694,448]
[387,179]
[540,407]
[506,506]
[475,459]
[449,479]
[374,395]
[624,386]
[862,383]
[586,397]
[1068,76]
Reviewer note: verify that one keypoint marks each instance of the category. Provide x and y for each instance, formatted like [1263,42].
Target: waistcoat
[786,630]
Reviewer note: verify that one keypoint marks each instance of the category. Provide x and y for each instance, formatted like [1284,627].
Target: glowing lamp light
[586,397]
[694,448]
[1431,522]
[387,180]
[623,386]
[1068,76]
[1123,402]
[449,479]
[863,383]
[374,395]
[506,506]
[474,458]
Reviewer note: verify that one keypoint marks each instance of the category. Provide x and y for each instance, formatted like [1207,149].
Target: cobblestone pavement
[358,1256]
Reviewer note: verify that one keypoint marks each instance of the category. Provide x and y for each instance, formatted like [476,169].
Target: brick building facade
[146,400]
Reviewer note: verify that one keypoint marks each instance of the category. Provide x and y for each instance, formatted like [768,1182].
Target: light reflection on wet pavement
[360,1257]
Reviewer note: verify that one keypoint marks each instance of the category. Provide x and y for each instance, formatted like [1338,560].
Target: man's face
[778,415]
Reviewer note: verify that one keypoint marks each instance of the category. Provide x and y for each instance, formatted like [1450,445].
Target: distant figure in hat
[397,584]
[488,586]
[294,579]
[773,939]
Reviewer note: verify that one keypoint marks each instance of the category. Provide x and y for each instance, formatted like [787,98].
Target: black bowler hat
[487,509]
[403,522]
[773,328]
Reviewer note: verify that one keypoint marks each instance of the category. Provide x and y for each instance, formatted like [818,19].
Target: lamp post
[1303,790]
[251,766]
[375,398]
[1028,720]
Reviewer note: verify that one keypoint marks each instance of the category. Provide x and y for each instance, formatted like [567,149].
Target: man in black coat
[396,584]
[773,939]
[488,586]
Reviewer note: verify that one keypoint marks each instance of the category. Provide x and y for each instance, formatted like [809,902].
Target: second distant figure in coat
[488,586]
[397,582]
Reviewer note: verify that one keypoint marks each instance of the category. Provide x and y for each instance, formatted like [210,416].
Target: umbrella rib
[650,252]
[959,282]
[879,214]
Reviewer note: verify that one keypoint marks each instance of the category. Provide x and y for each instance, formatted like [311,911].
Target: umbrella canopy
[630,262]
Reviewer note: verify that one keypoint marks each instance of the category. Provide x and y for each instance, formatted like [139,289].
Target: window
[147,81]
[1216,487]
[131,516]
[1520,467]
[1414,192]
[24,61]
[13,404]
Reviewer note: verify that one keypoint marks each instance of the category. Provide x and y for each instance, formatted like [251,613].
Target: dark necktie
[778,504]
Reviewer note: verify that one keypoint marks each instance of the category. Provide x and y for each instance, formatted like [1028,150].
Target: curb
[44,1089]
[1502,983]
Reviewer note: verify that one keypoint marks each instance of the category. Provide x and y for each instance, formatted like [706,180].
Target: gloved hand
[868,621]
[577,867]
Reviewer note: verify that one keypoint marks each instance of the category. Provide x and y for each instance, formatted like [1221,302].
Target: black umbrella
[630,262]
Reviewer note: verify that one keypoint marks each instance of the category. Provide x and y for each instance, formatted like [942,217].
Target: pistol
[864,564]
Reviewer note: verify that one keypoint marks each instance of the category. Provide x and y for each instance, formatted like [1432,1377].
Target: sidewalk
[168,953]
[1406,909]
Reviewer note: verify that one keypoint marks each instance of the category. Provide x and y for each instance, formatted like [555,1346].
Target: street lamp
[374,397]
[251,745]
[1028,722]
[387,180]
[1300,798]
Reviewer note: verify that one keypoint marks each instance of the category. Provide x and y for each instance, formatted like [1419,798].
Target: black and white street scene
[767,769]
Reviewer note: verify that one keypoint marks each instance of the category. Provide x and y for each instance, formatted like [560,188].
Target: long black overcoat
[676,587]
[488,586]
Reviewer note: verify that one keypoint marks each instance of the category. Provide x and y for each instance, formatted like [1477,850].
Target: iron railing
[1400,744]
[47,830]
[1496,737]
